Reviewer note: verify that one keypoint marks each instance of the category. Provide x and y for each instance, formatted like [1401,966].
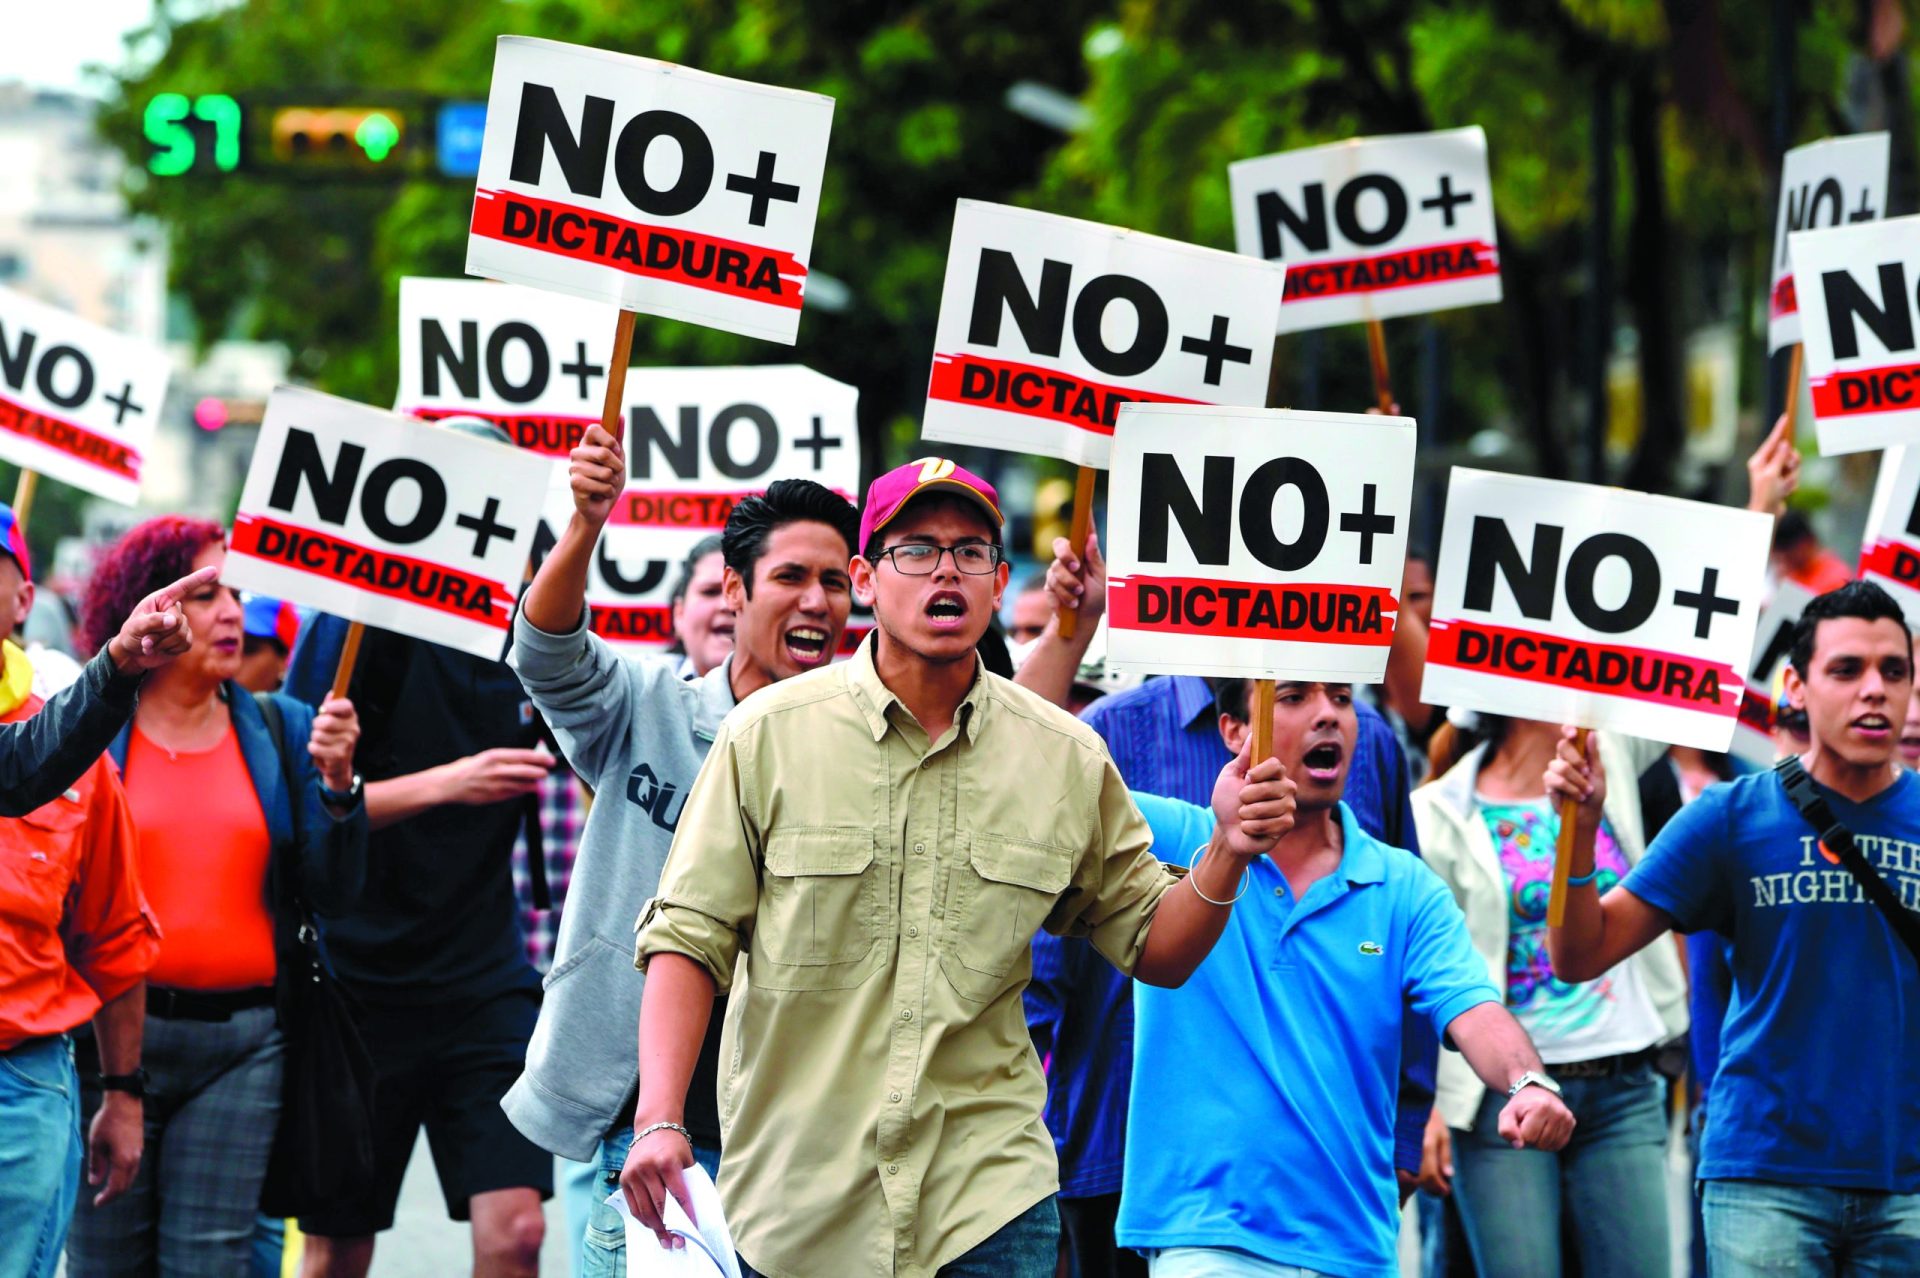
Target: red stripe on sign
[1359,616]
[1637,674]
[1859,391]
[633,623]
[76,442]
[1031,391]
[638,508]
[380,572]
[1756,710]
[550,434]
[656,252]
[1895,560]
[1784,300]
[1407,268]
[852,637]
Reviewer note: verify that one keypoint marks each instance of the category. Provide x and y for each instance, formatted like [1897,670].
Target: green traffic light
[377,136]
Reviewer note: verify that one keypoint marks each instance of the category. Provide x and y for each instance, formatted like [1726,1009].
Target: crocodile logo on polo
[1371,949]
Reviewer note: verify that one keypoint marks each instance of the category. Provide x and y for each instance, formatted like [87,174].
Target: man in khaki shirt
[882,840]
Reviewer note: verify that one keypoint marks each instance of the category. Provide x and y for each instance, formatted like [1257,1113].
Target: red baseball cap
[13,541]
[889,494]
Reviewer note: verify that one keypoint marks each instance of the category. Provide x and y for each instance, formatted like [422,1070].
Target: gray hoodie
[637,734]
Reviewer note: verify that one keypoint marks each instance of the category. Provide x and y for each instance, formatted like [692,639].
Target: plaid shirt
[563,810]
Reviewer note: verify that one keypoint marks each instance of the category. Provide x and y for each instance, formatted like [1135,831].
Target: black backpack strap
[1838,840]
[290,893]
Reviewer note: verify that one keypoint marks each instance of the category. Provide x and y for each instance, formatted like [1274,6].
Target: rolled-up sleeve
[710,889]
[1120,881]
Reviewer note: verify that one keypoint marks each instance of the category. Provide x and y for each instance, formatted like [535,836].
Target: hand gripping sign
[1833,182]
[652,186]
[532,361]
[1049,324]
[1772,642]
[77,401]
[1257,542]
[698,440]
[1856,287]
[385,521]
[1597,607]
[1372,228]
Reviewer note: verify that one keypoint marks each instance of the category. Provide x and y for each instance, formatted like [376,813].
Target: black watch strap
[134,1084]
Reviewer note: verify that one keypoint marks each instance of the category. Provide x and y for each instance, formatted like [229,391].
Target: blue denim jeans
[1610,1181]
[1758,1229]
[1028,1246]
[604,1250]
[39,1154]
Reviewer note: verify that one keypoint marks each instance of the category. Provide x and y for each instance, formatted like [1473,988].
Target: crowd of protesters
[959,956]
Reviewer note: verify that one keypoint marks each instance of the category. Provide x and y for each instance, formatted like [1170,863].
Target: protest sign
[651,186]
[390,522]
[698,440]
[1372,228]
[1546,607]
[1772,643]
[1856,295]
[1261,543]
[531,361]
[1890,553]
[1833,182]
[1049,324]
[77,402]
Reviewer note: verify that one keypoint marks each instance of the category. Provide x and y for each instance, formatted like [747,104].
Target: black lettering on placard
[1803,209]
[720,441]
[1490,549]
[1273,212]
[1150,332]
[1890,318]
[630,163]
[650,577]
[1643,583]
[998,286]
[436,353]
[537,363]
[1346,209]
[682,454]
[1256,513]
[1308,223]
[16,360]
[374,500]
[543,124]
[1775,651]
[647,432]
[301,463]
[1203,523]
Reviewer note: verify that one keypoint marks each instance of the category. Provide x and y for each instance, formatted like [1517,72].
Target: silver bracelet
[645,1132]
[1246,880]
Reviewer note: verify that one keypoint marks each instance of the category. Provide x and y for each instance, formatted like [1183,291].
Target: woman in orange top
[216,822]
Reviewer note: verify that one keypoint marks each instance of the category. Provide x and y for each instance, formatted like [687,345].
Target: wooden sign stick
[1077,537]
[1377,352]
[23,495]
[1794,371]
[613,410]
[1563,849]
[349,653]
[1262,712]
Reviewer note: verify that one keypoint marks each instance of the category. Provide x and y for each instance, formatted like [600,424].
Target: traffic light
[193,135]
[339,137]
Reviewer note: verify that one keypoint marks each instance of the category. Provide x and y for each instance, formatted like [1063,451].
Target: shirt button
[893,1169]
[919,847]
[912,930]
[894,1097]
[906,1013]
[1280,892]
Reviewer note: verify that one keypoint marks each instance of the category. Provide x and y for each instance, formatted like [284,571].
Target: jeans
[1220,1262]
[1610,1181]
[40,1151]
[604,1249]
[1758,1229]
[1028,1246]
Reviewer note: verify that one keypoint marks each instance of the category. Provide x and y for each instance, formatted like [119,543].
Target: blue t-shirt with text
[1821,1043]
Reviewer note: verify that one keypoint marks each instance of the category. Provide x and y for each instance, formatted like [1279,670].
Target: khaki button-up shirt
[880,1097]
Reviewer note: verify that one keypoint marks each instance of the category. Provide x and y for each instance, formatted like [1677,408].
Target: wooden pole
[1262,725]
[1563,849]
[349,653]
[1077,536]
[613,410]
[1794,372]
[1377,352]
[23,495]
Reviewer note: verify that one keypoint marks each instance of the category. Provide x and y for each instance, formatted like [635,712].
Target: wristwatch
[1533,1078]
[345,799]
[134,1084]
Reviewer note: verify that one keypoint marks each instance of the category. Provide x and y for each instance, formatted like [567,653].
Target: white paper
[1832,182]
[709,1249]
[1862,352]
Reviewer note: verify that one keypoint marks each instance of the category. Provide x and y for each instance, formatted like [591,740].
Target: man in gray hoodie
[637,734]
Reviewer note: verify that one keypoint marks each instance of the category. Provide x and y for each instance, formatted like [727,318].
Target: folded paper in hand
[709,1249]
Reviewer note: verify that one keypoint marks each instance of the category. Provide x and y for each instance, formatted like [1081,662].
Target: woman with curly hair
[216,829]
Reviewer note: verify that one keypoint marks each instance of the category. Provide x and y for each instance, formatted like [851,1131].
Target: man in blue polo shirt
[1284,1163]
[1811,1163]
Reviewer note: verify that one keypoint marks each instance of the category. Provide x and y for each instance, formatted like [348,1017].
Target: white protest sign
[698,440]
[652,186]
[1256,542]
[1372,228]
[396,523]
[1890,550]
[1856,291]
[1545,607]
[1772,642]
[531,361]
[1833,182]
[78,402]
[1049,324]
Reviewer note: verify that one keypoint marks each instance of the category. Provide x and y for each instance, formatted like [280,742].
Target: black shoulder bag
[1837,839]
[323,1148]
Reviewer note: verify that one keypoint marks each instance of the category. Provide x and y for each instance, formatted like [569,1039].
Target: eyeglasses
[916,559]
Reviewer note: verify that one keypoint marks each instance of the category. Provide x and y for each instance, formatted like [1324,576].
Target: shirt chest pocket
[819,920]
[996,901]
[36,871]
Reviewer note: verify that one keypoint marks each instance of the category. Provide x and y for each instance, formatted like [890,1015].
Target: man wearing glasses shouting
[882,840]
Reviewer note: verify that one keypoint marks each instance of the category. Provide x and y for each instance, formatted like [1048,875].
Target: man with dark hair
[637,733]
[1032,610]
[1811,1164]
[878,842]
